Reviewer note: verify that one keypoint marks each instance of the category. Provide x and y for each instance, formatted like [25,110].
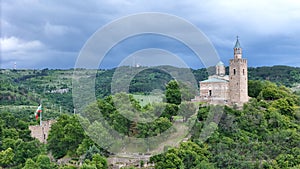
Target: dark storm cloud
[39,34]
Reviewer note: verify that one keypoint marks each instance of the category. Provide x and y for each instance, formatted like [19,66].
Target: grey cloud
[65,26]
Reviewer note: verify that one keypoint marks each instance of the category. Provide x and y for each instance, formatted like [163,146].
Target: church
[229,89]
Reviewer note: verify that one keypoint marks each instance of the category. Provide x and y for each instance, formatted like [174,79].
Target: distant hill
[281,75]
[284,75]
[54,87]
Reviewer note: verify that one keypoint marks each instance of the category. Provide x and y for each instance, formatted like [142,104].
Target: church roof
[213,80]
[237,43]
[220,63]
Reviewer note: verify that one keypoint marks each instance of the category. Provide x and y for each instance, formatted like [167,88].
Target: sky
[38,34]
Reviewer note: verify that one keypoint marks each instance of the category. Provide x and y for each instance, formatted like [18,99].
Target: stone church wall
[216,93]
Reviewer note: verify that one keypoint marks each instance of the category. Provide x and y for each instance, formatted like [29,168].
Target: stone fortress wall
[41,132]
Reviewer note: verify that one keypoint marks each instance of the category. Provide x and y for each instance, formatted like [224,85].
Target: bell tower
[238,77]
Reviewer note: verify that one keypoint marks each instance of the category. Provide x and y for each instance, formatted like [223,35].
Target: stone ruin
[41,132]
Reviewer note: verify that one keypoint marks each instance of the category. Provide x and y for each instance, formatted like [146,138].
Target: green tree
[171,160]
[187,109]
[295,75]
[92,112]
[188,155]
[187,90]
[155,128]
[65,136]
[169,111]
[270,93]
[91,151]
[161,124]
[44,162]
[10,133]
[100,135]
[285,160]
[285,106]
[86,143]
[30,164]
[255,87]
[6,157]
[26,150]
[173,94]
[97,162]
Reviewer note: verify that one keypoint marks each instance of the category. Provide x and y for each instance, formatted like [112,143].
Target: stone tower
[238,77]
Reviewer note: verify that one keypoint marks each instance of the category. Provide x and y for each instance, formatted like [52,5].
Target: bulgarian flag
[37,112]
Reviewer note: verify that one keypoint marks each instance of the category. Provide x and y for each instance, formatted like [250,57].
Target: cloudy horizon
[50,34]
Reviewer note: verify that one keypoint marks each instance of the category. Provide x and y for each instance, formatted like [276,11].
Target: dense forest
[264,133]
[54,87]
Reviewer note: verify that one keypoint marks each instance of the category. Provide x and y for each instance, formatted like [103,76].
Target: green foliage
[170,160]
[255,87]
[88,166]
[270,93]
[200,74]
[173,94]
[285,106]
[28,87]
[24,150]
[91,151]
[16,144]
[44,162]
[86,143]
[188,155]
[142,163]
[187,90]
[30,164]
[148,80]
[169,111]
[263,134]
[65,136]
[256,136]
[6,157]
[187,109]
[152,129]
[282,75]
[203,112]
[97,162]
[120,111]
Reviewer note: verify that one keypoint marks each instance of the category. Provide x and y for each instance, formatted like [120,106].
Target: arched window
[234,71]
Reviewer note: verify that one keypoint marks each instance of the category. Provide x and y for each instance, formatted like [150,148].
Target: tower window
[234,71]
[210,93]
[243,71]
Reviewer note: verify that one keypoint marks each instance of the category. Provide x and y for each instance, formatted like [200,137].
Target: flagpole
[41,117]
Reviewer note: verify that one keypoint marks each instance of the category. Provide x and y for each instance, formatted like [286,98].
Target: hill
[262,134]
[54,87]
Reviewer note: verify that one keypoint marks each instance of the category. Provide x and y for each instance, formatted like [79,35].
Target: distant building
[61,91]
[223,89]
[41,132]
